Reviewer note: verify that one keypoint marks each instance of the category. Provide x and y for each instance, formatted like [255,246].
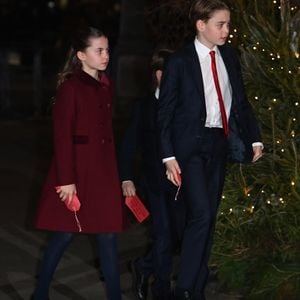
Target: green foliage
[257,242]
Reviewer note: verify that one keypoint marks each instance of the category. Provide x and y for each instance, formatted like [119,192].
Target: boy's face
[214,32]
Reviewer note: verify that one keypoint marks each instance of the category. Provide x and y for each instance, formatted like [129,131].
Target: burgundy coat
[84,154]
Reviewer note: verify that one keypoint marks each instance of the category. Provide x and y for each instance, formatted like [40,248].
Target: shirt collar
[202,50]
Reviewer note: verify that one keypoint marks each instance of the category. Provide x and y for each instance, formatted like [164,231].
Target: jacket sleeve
[168,97]
[129,145]
[244,112]
[64,118]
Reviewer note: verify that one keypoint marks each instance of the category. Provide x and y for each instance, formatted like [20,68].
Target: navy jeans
[107,252]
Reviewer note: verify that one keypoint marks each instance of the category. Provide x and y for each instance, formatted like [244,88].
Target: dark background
[34,40]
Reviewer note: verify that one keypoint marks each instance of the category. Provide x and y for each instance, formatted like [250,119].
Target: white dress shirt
[213,114]
[156,94]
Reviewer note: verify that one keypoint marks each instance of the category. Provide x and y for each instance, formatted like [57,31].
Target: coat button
[108,105]
[102,141]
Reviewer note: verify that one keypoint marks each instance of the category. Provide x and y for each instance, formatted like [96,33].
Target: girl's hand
[173,171]
[65,192]
[128,188]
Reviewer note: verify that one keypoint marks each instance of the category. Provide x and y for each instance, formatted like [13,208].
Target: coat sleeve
[64,118]
[168,97]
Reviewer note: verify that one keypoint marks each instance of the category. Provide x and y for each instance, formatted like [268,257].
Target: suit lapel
[194,66]
[231,70]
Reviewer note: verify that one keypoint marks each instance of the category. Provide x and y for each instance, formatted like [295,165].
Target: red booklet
[137,207]
[73,205]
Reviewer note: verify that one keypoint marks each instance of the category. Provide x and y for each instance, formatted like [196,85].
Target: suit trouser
[203,176]
[167,228]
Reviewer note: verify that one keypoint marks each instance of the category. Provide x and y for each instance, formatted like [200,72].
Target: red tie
[220,97]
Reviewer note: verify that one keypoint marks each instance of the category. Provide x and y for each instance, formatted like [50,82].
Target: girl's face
[95,57]
[214,32]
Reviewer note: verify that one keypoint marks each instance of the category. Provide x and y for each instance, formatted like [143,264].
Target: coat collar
[86,78]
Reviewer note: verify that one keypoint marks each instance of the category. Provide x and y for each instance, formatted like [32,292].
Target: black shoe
[162,297]
[161,290]
[139,282]
[199,296]
[32,298]
[185,295]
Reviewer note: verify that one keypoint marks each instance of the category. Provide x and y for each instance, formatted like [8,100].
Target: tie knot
[212,53]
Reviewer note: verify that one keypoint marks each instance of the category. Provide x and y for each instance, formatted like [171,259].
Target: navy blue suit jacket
[141,137]
[182,110]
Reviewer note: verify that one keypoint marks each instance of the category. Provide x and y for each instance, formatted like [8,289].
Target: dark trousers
[167,230]
[202,178]
[107,251]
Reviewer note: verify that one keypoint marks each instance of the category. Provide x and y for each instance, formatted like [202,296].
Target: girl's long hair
[80,42]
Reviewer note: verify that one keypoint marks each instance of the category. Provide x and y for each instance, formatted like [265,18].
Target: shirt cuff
[168,158]
[124,181]
[258,144]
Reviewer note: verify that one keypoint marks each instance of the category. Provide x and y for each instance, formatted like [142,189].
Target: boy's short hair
[203,9]
[160,58]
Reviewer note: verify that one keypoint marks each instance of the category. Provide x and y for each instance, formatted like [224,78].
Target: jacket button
[108,105]
[103,141]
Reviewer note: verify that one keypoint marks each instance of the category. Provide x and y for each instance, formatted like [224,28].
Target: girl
[84,163]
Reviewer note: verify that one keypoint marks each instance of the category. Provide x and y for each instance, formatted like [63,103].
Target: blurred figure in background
[167,227]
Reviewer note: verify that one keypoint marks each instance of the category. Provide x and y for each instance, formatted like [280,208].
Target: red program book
[137,207]
[73,206]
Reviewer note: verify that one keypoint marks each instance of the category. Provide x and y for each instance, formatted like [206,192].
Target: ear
[200,25]
[81,55]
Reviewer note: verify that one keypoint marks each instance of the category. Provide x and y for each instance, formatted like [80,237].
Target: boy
[202,94]
[143,134]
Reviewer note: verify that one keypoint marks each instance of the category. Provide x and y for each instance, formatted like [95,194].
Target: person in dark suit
[142,135]
[202,95]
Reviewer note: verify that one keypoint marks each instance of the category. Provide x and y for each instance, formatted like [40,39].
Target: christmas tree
[257,240]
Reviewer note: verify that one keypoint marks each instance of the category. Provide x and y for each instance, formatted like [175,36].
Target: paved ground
[25,149]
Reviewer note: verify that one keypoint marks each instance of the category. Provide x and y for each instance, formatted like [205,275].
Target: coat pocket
[80,139]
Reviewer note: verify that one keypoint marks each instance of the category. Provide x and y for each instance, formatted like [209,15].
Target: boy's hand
[257,153]
[65,192]
[128,188]
[173,171]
